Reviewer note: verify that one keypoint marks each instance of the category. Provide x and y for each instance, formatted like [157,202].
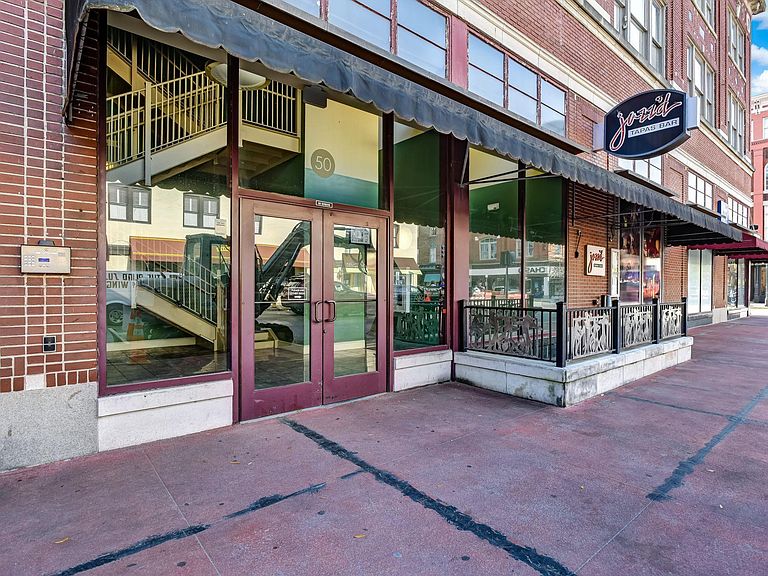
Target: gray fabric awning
[251,36]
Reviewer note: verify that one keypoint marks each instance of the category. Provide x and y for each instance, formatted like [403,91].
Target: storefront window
[640,255]
[336,158]
[737,277]
[494,224]
[419,250]
[699,281]
[545,261]
[168,225]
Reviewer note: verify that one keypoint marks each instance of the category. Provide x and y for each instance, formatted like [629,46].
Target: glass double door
[313,304]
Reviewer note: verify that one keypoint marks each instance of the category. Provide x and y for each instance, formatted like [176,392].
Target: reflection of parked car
[342,293]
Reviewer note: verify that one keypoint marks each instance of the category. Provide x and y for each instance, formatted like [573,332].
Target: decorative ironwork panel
[589,332]
[521,332]
[636,325]
[671,320]
[422,325]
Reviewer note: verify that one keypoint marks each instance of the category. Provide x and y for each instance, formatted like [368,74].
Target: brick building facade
[57,159]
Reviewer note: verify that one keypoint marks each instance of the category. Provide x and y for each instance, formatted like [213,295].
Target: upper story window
[535,98]
[707,9]
[422,36]
[486,70]
[488,249]
[738,213]
[701,83]
[421,33]
[736,121]
[129,204]
[368,19]
[765,128]
[649,168]
[200,211]
[736,42]
[641,23]
[699,190]
[311,6]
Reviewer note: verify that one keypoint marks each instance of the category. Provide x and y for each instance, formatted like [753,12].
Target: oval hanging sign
[647,125]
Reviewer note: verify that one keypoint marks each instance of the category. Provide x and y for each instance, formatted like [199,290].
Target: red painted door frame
[323,386]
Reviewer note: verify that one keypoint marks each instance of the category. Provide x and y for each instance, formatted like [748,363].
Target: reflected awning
[145,249]
[251,36]
[750,248]
[406,264]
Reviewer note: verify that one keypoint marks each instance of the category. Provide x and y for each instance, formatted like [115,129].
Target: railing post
[562,335]
[616,325]
[656,311]
[684,319]
[462,325]
[147,134]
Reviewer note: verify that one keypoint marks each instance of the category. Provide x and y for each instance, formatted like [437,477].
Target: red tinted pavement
[668,475]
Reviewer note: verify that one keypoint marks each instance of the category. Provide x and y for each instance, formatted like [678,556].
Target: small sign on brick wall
[595,260]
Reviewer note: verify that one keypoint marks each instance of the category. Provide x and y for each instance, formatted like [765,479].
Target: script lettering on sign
[595,260]
[647,124]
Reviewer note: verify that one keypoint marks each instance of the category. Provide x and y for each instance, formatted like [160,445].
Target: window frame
[737,39]
[395,36]
[201,214]
[735,133]
[623,20]
[706,191]
[706,94]
[650,164]
[707,10]
[492,244]
[738,212]
[130,203]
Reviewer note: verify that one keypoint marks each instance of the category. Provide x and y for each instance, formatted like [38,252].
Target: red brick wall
[47,190]
[588,208]
[573,44]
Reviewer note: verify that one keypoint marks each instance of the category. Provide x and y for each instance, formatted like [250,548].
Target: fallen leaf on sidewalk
[67,539]
[235,462]
[359,536]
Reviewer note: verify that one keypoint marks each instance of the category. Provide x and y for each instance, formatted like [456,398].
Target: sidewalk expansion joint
[687,466]
[159,539]
[544,565]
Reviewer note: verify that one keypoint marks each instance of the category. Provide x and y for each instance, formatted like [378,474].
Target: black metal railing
[522,332]
[561,334]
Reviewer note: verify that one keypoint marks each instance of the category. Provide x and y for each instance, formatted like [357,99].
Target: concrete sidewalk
[663,476]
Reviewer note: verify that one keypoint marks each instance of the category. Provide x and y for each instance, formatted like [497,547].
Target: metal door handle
[333,310]
[316,307]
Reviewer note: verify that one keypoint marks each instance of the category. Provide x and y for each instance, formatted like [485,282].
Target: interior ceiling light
[217,71]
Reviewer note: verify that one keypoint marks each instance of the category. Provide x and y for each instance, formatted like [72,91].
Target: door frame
[341,388]
[310,393]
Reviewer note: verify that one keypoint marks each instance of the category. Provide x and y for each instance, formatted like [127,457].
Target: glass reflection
[281,301]
[168,214]
[354,310]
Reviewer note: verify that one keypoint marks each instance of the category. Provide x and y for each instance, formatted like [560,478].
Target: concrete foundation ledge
[545,382]
[420,369]
[149,415]
[47,424]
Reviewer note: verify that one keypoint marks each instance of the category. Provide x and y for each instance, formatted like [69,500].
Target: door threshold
[311,408]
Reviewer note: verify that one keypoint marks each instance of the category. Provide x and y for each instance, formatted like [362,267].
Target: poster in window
[629,275]
[651,264]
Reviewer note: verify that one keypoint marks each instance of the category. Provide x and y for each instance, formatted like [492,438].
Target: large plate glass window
[495,257]
[545,240]
[640,257]
[168,225]
[699,281]
[419,239]
[333,155]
